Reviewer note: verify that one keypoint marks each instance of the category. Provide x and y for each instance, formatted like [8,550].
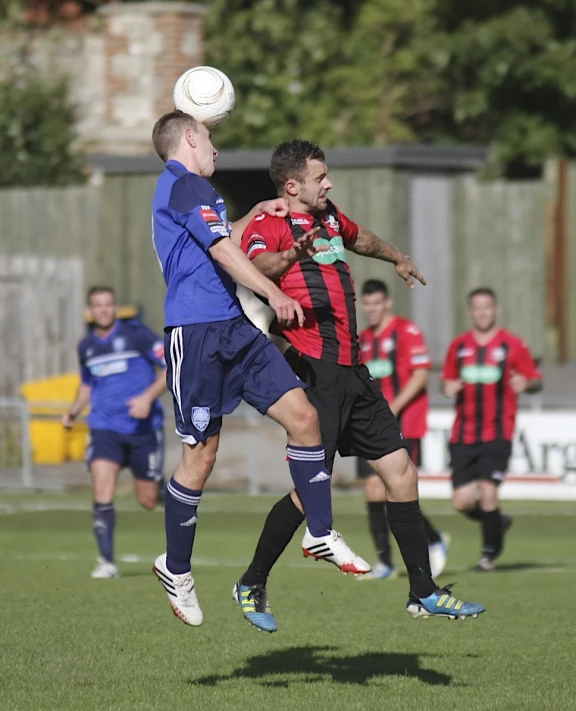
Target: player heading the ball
[216,357]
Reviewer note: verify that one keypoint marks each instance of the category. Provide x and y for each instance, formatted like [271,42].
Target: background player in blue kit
[118,364]
[216,357]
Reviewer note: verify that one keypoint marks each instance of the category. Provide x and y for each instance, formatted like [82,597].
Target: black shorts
[355,419]
[484,460]
[414,447]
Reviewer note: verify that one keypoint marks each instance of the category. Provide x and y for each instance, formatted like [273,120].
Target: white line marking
[538,566]
[256,507]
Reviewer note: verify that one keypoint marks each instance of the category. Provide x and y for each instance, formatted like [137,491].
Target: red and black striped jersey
[391,356]
[486,406]
[322,285]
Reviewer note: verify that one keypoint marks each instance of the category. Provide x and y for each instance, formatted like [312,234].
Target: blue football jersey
[118,368]
[188,217]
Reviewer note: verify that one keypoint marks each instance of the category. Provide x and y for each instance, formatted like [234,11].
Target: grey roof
[154,8]
[124,164]
[423,157]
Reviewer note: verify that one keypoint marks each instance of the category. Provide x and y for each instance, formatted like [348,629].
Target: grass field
[69,642]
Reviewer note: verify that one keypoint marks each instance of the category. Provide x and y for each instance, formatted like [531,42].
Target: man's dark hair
[289,161]
[483,291]
[375,286]
[99,290]
[167,132]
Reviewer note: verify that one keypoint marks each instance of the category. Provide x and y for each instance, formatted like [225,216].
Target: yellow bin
[48,400]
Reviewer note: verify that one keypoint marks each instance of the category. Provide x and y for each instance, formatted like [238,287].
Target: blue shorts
[213,366]
[143,454]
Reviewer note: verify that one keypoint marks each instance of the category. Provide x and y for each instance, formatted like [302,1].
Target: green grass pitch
[69,642]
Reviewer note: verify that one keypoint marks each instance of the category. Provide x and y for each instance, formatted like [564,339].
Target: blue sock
[312,482]
[181,505]
[104,524]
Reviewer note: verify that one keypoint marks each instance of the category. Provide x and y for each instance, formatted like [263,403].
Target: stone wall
[146,48]
[121,68]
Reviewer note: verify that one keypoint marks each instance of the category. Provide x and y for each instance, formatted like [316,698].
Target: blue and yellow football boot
[255,606]
[442,604]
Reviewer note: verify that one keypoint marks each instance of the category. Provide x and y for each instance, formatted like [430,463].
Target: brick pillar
[147,45]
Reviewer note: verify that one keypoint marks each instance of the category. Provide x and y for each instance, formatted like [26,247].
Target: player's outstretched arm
[233,260]
[277,208]
[80,403]
[368,244]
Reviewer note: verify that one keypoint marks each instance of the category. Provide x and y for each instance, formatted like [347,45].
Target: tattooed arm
[368,244]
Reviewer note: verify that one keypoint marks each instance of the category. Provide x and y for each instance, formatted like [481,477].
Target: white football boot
[104,569]
[334,549]
[181,593]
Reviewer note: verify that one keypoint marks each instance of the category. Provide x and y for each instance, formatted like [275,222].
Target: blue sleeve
[193,200]
[85,377]
[150,345]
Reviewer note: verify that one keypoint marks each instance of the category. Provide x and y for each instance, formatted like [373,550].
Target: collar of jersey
[178,164]
[307,216]
[112,333]
[488,343]
[378,334]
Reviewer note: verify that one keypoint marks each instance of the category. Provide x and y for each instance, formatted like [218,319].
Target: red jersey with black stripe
[322,285]
[391,356]
[486,406]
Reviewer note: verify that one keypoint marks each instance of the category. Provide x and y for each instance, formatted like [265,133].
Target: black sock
[431,532]
[281,524]
[474,514]
[380,530]
[408,528]
[491,533]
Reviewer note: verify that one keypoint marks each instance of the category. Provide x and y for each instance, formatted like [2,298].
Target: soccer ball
[206,94]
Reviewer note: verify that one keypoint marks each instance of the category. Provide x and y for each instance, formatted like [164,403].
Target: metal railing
[15,447]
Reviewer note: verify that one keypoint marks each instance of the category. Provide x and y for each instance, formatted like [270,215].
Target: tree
[11,11]
[278,54]
[383,87]
[508,75]
[36,134]
[499,72]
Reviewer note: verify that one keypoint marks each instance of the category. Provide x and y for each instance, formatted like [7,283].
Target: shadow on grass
[512,567]
[313,664]
[137,573]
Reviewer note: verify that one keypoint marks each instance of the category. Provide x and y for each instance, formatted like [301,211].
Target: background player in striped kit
[118,363]
[485,370]
[395,353]
[355,420]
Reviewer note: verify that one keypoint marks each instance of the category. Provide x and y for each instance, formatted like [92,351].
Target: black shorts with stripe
[414,447]
[355,419]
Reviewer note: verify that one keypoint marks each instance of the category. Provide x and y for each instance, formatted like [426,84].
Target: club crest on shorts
[200,418]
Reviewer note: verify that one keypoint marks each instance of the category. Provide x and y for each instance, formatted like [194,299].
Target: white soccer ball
[206,94]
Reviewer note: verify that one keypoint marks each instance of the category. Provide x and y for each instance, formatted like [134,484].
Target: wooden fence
[499,242]
[462,233]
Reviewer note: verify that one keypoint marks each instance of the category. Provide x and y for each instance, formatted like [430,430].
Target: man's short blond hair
[168,131]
